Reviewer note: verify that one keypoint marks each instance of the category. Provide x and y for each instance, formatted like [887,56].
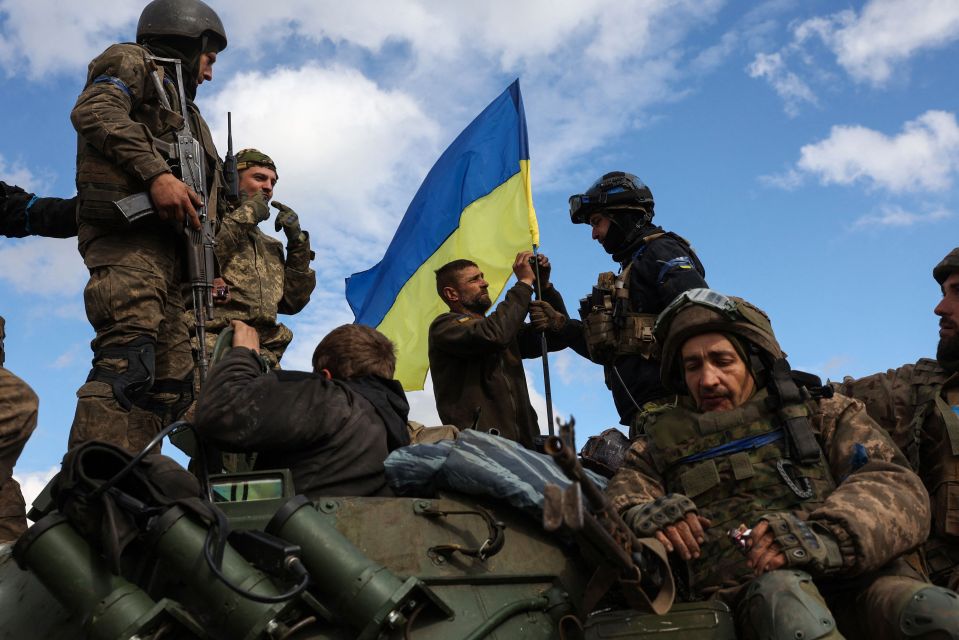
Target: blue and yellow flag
[475,203]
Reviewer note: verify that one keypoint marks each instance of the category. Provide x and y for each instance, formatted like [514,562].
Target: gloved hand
[544,317]
[804,544]
[289,221]
[647,519]
[253,209]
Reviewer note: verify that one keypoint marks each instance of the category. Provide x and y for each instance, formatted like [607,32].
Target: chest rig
[612,329]
[736,465]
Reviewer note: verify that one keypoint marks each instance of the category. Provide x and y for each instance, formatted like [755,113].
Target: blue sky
[808,150]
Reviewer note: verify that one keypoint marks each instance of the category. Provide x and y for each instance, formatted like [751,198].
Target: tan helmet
[946,267]
[699,311]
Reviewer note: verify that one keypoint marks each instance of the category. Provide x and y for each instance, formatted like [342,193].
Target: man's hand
[287,219]
[245,336]
[545,268]
[762,551]
[523,269]
[544,317]
[173,199]
[685,536]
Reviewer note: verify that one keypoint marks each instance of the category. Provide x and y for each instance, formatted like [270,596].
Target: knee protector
[785,604]
[932,612]
[132,384]
[169,409]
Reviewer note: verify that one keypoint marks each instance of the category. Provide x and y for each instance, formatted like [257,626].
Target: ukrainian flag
[475,203]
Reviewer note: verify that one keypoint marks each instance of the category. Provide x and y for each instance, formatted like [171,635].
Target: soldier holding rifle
[139,132]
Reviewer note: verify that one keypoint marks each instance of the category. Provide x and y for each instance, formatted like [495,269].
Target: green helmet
[246,158]
[184,18]
[699,311]
[946,267]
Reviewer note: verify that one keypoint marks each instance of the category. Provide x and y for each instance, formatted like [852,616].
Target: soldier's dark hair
[446,275]
[355,350]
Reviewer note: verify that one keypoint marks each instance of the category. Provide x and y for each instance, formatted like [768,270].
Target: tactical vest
[732,465]
[100,180]
[938,424]
[611,329]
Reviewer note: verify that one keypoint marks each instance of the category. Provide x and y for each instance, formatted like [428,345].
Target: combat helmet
[624,198]
[184,18]
[698,311]
[946,267]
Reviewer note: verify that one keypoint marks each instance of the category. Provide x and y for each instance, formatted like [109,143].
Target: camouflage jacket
[262,281]
[125,134]
[913,404]
[477,364]
[877,511]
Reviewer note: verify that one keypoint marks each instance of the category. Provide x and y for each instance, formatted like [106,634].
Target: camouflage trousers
[867,607]
[134,291]
[18,419]
[273,340]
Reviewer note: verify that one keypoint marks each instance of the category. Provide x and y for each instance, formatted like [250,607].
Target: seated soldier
[785,502]
[332,428]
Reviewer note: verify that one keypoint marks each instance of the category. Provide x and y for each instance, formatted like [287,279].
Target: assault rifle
[187,160]
[639,566]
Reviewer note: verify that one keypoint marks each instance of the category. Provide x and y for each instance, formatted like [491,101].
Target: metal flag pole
[542,342]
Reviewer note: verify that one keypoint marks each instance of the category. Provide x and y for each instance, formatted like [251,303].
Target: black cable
[295,564]
[122,473]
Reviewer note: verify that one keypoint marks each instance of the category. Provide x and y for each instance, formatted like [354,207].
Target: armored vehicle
[266,564]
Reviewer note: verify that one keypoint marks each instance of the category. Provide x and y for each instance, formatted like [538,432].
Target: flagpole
[543,347]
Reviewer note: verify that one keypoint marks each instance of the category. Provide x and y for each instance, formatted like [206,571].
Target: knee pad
[932,612]
[136,381]
[785,604]
[172,409]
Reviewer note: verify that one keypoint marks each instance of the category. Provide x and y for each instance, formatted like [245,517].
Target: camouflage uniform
[859,494]
[18,419]
[262,281]
[916,404]
[133,298]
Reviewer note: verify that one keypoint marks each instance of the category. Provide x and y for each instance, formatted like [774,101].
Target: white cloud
[423,405]
[69,356]
[896,216]
[788,180]
[16,173]
[793,91]
[42,37]
[33,482]
[45,267]
[885,33]
[924,156]
[342,148]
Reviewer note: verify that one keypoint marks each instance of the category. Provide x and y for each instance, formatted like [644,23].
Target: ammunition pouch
[132,384]
[802,544]
[611,331]
[647,519]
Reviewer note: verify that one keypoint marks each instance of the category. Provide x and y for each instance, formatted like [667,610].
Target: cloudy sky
[810,154]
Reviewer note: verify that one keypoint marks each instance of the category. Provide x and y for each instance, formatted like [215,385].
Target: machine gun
[639,566]
[187,162]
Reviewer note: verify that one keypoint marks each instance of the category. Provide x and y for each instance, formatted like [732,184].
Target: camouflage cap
[947,266]
[246,158]
[699,311]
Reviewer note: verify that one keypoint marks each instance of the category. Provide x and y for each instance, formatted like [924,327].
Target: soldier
[142,364]
[262,282]
[476,360]
[332,428]
[917,404]
[618,317]
[18,419]
[25,214]
[779,496]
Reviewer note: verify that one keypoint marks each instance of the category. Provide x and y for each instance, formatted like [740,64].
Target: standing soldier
[618,317]
[918,404]
[18,419]
[127,120]
[262,281]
